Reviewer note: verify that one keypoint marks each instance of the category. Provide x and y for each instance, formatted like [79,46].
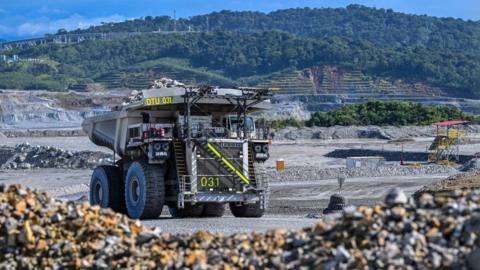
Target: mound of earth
[466,180]
[302,173]
[41,133]
[357,132]
[433,233]
[471,165]
[25,156]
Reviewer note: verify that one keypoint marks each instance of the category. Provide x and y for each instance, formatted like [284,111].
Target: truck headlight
[165,146]
[159,151]
[261,152]
[158,147]
[265,148]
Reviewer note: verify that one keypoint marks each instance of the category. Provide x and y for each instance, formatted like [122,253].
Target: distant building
[9,59]
[370,162]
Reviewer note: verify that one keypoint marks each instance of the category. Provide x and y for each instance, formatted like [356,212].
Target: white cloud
[46,10]
[4,29]
[75,21]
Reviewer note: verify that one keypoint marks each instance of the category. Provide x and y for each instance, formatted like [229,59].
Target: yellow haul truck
[194,149]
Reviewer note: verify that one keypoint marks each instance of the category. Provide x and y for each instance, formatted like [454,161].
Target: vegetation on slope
[238,56]
[397,113]
[29,75]
[382,27]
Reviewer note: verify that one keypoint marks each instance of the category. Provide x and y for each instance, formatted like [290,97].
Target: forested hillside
[381,27]
[395,113]
[237,50]
[380,113]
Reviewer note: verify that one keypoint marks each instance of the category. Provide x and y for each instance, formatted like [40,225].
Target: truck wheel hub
[98,193]
[135,190]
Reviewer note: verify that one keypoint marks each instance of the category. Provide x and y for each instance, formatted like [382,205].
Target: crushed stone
[25,156]
[430,233]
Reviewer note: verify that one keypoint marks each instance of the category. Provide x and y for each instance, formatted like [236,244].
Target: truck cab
[236,125]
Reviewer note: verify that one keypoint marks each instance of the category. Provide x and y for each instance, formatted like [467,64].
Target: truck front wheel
[144,190]
[106,188]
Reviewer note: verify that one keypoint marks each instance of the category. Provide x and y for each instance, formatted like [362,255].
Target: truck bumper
[212,197]
[225,197]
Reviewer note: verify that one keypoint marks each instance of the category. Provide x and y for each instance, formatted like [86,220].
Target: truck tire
[106,188]
[188,211]
[246,210]
[213,210]
[337,199]
[144,190]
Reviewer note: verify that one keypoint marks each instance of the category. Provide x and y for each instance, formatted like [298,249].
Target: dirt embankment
[357,132]
[42,133]
[388,155]
[304,173]
[457,182]
[467,179]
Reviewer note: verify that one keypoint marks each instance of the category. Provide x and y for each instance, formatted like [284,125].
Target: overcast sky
[31,18]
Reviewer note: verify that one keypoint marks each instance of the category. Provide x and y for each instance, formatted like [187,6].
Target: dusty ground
[290,202]
[73,185]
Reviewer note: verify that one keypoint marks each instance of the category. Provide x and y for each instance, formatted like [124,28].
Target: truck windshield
[249,122]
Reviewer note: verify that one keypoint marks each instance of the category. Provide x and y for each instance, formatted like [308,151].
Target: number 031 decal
[210,181]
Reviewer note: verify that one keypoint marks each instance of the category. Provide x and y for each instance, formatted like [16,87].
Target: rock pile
[166,83]
[466,180]
[25,156]
[38,232]
[16,133]
[356,132]
[471,165]
[303,173]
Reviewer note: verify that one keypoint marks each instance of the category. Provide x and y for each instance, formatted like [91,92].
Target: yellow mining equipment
[444,148]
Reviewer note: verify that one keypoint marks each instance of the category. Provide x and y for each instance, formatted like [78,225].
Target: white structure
[371,162]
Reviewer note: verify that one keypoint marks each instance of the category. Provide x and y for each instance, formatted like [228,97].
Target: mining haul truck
[193,149]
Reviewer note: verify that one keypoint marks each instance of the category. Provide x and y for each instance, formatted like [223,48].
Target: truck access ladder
[180,157]
[251,168]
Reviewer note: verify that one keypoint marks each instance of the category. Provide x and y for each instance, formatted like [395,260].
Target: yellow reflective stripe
[240,174]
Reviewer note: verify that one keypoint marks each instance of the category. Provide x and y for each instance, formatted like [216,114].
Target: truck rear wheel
[213,210]
[144,190]
[246,210]
[106,188]
[188,211]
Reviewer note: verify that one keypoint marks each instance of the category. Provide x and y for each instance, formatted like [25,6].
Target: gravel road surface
[290,202]
[73,185]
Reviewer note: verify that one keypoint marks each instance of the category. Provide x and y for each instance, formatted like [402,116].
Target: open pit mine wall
[327,87]
[41,110]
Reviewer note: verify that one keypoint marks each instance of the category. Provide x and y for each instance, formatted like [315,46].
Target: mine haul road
[289,202]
